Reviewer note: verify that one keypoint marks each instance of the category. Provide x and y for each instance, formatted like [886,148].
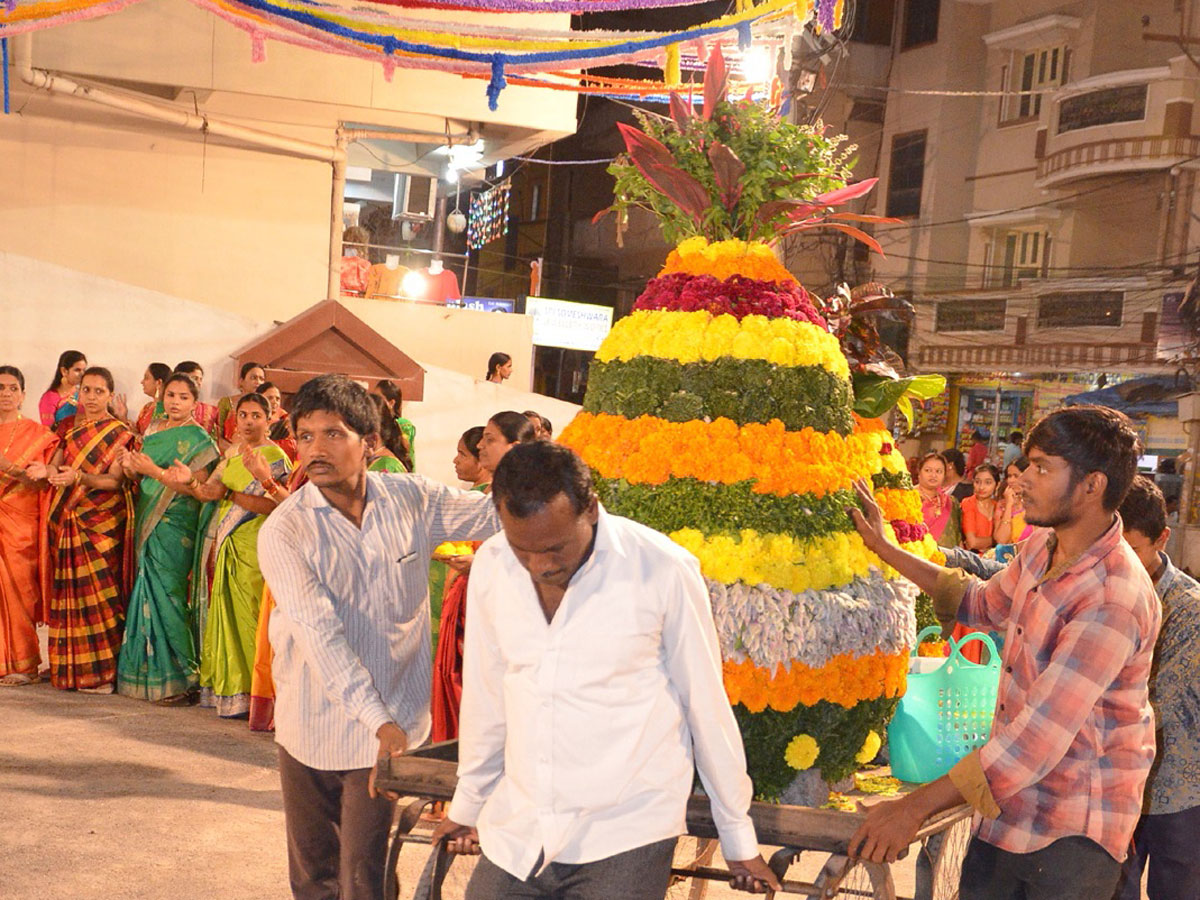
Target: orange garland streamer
[845,680]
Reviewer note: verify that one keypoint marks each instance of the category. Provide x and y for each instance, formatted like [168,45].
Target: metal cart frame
[429,775]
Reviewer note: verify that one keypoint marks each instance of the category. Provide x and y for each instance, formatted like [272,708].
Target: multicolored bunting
[378,32]
[19,17]
[488,218]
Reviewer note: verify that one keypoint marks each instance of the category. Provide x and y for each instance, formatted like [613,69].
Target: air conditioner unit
[414,197]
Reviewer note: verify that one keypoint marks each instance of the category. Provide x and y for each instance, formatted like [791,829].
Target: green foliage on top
[783,162]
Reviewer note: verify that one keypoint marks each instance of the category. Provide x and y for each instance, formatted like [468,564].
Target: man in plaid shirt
[1059,783]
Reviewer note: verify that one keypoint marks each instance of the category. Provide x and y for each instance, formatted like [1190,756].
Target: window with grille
[970,315]
[906,174]
[1083,309]
[1039,70]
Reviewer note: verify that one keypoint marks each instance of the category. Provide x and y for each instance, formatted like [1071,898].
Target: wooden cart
[428,775]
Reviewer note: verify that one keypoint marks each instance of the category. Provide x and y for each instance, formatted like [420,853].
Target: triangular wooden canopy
[328,338]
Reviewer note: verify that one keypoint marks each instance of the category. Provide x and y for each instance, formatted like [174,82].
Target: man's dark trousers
[1172,842]
[1072,868]
[336,834]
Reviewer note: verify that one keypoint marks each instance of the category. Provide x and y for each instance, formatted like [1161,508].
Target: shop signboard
[489,304]
[567,324]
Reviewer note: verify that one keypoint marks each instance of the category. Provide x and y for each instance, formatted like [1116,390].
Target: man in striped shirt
[347,560]
[1059,782]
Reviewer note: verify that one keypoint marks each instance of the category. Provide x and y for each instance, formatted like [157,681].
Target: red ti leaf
[845,194]
[855,217]
[716,78]
[600,215]
[856,233]
[681,111]
[794,209]
[657,165]
[727,171]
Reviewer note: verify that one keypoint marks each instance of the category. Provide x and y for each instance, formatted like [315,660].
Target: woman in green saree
[248,484]
[393,399]
[390,453]
[159,656]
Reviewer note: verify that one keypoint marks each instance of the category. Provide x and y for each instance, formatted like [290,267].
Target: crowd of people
[153,551]
[971,501]
[133,534]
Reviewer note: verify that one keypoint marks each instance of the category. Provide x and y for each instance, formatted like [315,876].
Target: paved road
[105,798]
[110,798]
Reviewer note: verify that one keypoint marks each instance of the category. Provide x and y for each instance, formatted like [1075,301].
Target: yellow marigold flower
[870,748]
[723,259]
[802,751]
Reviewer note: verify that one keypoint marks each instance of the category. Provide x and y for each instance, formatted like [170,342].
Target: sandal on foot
[102,689]
[17,679]
[187,698]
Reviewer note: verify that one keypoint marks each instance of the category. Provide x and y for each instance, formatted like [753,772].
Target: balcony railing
[1118,153]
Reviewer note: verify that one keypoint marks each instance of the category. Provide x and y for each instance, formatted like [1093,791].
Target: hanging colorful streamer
[488,216]
[575,7]
[19,17]
[474,48]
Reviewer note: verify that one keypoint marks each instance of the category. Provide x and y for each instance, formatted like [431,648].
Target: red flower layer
[737,296]
[907,532]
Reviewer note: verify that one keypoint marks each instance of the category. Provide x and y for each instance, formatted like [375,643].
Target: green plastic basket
[945,714]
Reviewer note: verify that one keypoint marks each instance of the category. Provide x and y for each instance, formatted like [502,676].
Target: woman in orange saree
[91,543]
[24,563]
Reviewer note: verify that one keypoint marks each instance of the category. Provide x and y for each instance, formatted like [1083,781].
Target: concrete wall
[460,340]
[455,402]
[165,210]
[45,309]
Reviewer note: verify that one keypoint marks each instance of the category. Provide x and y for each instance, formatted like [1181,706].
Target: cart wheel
[844,878]
[947,865]
[406,819]
[450,875]
[691,853]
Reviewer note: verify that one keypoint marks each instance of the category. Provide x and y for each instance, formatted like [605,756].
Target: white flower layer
[773,627]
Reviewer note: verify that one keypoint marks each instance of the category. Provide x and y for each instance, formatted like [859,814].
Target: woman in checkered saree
[90,541]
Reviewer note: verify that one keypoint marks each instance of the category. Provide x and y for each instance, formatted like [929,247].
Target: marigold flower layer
[649,450]
[724,259]
[690,337]
[845,680]
[781,561]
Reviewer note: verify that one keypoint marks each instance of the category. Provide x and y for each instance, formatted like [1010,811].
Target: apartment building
[1042,157]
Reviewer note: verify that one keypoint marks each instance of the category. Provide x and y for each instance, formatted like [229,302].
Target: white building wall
[46,308]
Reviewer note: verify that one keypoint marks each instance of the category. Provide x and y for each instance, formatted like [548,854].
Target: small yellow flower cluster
[692,337]
[845,680]
[779,560]
[802,751]
[870,748]
[724,259]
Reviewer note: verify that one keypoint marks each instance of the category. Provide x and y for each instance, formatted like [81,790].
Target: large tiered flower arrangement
[721,413]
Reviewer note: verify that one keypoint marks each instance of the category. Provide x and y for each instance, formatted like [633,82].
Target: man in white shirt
[591,694]
[347,560]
